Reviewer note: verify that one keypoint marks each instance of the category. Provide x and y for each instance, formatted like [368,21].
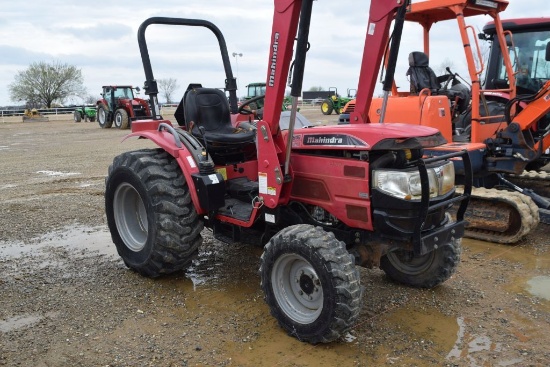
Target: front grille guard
[426,208]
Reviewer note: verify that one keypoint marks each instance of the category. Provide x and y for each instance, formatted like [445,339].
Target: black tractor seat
[204,112]
[207,116]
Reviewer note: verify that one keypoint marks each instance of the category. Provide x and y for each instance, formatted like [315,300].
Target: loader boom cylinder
[381,15]
[298,74]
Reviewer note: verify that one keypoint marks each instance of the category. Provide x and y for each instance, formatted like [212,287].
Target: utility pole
[235,54]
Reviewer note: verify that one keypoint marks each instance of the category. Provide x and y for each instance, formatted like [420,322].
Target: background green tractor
[334,102]
[84,112]
[254,90]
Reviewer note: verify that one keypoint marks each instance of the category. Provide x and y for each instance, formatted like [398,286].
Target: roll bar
[150,86]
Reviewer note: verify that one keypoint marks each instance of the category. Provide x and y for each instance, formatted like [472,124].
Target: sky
[100,38]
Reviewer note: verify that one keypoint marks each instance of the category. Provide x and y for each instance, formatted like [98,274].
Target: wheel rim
[130,217]
[297,288]
[101,116]
[324,107]
[406,263]
[118,120]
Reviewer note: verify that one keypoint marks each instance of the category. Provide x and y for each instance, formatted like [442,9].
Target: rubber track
[526,210]
[538,181]
[535,175]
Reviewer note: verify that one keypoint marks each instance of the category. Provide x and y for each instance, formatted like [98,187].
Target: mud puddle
[540,287]
[83,241]
[217,312]
[530,267]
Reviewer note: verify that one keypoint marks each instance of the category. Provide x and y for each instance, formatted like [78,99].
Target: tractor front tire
[152,220]
[103,116]
[311,284]
[92,118]
[121,119]
[425,271]
[326,107]
[77,116]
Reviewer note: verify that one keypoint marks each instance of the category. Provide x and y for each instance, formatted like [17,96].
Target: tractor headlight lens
[407,185]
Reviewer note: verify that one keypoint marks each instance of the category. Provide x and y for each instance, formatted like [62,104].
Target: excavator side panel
[432,111]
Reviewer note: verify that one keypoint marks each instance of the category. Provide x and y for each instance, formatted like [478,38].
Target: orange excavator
[503,131]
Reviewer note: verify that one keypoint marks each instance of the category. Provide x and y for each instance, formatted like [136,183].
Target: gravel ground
[68,300]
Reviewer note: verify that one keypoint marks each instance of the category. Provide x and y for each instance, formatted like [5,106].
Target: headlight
[406,185]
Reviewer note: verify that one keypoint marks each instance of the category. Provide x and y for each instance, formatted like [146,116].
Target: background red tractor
[119,105]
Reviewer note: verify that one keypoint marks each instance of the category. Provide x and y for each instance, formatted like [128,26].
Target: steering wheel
[243,110]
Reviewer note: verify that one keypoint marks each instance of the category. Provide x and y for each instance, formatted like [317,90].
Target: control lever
[458,76]
[202,130]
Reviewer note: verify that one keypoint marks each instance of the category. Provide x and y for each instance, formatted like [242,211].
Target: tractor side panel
[339,186]
[432,111]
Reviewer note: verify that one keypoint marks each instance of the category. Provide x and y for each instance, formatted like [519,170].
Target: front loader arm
[381,14]
[285,25]
[274,189]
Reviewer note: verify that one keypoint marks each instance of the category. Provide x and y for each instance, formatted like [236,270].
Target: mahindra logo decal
[332,140]
[316,140]
[273,66]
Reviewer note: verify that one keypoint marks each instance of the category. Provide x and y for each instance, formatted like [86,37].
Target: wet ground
[67,299]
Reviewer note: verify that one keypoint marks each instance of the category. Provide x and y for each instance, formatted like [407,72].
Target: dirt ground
[68,300]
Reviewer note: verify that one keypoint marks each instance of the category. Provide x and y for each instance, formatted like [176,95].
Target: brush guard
[424,243]
[423,225]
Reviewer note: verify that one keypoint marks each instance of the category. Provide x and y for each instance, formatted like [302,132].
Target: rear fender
[102,101]
[166,141]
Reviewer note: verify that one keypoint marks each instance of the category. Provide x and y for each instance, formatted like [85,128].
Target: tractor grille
[350,107]
[139,111]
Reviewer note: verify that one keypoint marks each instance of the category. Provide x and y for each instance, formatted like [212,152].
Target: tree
[90,99]
[441,69]
[316,89]
[167,88]
[44,83]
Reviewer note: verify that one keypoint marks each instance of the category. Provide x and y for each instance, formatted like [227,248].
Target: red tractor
[321,200]
[119,106]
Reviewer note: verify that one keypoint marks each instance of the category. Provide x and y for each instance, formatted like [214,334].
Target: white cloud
[100,38]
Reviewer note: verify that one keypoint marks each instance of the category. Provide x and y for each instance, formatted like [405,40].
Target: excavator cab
[526,47]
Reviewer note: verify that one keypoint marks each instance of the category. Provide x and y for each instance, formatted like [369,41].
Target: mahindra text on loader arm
[319,200]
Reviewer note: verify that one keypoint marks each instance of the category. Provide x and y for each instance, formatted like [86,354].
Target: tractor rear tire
[121,119]
[326,107]
[103,116]
[311,284]
[152,220]
[77,116]
[425,271]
